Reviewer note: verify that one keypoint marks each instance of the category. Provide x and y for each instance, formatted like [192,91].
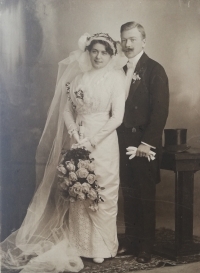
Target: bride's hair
[106,44]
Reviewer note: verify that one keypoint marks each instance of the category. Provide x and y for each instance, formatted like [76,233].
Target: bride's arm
[70,120]
[117,104]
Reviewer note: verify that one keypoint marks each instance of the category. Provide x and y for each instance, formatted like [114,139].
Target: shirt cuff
[148,145]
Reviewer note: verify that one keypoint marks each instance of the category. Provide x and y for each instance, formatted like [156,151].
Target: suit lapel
[139,70]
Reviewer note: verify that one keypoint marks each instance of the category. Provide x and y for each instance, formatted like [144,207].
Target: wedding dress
[101,112]
[55,233]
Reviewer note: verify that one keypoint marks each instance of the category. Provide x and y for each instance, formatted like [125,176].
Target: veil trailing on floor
[41,244]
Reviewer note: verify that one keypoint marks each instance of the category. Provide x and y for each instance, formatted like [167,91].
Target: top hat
[176,140]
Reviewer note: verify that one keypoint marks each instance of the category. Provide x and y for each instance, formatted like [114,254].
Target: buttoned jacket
[148,100]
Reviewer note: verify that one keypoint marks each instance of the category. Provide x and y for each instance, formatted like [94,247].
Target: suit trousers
[138,182]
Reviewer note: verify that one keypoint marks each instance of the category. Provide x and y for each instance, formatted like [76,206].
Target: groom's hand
[143,150]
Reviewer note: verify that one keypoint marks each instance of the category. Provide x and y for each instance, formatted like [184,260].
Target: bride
[56,233]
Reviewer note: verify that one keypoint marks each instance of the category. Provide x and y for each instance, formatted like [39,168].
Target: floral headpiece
[86,39]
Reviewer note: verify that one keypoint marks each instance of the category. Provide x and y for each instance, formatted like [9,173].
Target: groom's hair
[131,25]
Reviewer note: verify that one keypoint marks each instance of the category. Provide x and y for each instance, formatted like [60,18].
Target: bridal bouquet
[77,179]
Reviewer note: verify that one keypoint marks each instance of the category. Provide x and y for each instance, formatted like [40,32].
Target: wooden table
[184,165]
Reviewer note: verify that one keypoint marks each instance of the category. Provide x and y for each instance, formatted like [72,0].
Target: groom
[146,111]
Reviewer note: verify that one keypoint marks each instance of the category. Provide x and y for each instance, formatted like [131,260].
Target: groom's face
[132,42]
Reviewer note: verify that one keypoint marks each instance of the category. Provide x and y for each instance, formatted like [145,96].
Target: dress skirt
[94,234]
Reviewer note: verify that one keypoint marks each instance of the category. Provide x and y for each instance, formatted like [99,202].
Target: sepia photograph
[100,136]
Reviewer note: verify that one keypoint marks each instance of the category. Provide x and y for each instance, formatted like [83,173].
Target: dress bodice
[93,92]
[98,98]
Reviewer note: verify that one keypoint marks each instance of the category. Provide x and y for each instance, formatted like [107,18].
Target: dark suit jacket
[148,101]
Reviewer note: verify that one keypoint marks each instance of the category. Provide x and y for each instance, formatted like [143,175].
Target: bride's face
[99,56]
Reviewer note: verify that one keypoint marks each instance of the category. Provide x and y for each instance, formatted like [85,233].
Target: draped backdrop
[37,34]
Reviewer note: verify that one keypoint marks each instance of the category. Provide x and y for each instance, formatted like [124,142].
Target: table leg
[184,188]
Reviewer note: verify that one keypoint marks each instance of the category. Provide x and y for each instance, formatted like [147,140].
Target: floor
[166,220]
[189,268]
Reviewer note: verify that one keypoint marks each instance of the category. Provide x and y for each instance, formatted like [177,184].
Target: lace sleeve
[117,108]
[69,113]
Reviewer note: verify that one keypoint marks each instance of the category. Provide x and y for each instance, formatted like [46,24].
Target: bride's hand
[85,143]
[76,136]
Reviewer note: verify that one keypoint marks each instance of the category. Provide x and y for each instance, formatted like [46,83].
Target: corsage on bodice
[91,92]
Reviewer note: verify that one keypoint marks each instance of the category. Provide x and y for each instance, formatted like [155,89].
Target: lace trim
[68,94]
[84,236]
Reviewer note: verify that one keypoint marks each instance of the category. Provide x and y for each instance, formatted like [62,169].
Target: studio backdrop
[37,34]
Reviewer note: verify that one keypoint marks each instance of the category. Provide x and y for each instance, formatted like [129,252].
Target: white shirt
[130,71]
[135,59]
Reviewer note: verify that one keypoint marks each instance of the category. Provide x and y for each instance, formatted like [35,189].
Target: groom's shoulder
[154,66]
[153,63]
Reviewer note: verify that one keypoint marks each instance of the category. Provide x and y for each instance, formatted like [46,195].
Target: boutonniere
[136,77]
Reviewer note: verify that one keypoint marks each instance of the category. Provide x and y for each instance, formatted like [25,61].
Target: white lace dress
[99,104]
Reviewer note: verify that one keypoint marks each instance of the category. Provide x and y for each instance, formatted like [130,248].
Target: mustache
[128,49]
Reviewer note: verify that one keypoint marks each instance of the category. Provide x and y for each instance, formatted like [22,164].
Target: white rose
[82,173]
[73,176]
[81,196]
[83,163]
[71,192]
[62,169]
[92,194]
[70,166]
[77,188]
[86,187]
[91,178]
[67,181]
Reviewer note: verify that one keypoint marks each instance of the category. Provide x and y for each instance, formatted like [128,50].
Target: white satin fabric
[101,112]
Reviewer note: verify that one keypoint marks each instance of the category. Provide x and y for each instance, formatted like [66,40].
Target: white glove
[132,152]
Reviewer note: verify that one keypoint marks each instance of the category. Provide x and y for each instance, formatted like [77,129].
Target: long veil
[41,244]
[44,229]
